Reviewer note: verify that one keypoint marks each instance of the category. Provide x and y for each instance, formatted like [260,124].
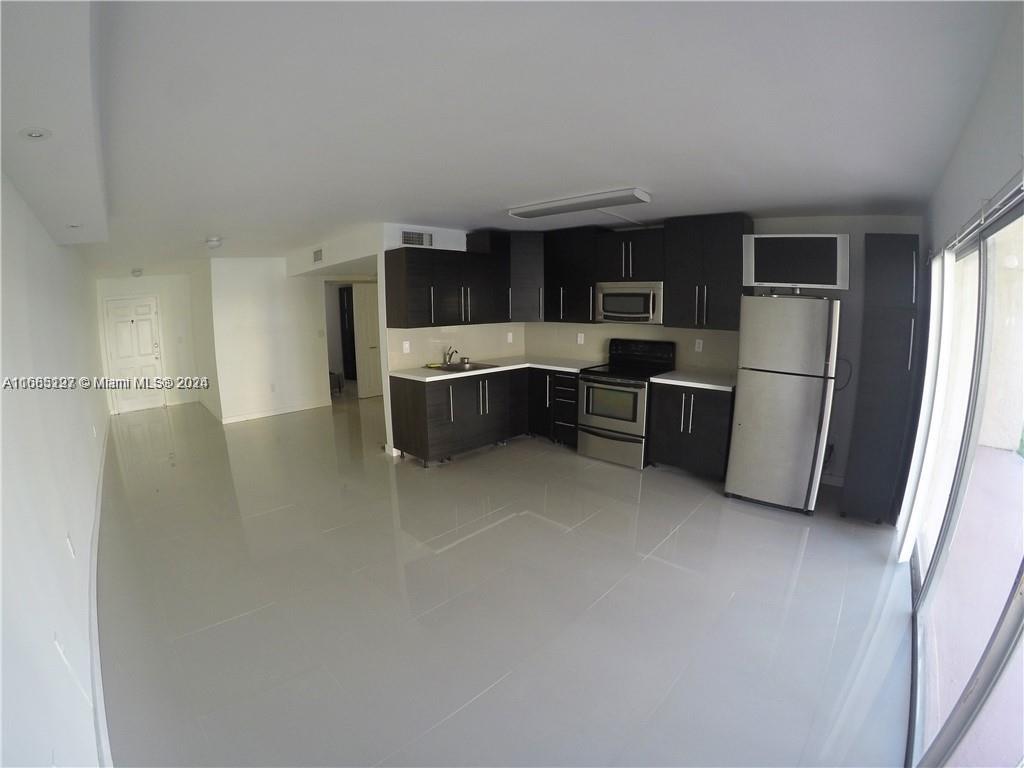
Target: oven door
[629,303]
[618,405]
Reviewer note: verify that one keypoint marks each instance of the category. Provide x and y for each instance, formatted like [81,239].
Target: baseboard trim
[99,709]
[275,412]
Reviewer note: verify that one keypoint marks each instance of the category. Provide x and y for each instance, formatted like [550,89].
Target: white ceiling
[48,83]
[275,124]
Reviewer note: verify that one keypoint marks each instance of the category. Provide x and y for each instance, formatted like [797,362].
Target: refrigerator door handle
[913,277]
[821,444]
[910,352]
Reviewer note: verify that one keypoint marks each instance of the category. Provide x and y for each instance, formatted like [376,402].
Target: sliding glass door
[971,542]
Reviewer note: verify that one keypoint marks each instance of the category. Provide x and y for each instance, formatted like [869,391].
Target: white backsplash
[720,349]
[477,342]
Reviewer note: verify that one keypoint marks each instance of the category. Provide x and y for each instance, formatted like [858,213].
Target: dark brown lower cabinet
[438,419]
[539,396]
[553,405]
[690,428]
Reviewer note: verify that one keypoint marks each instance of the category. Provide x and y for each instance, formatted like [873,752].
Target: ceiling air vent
[417,238]
[318,255]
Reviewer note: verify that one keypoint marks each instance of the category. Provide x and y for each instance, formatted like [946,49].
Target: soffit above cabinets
[48,82]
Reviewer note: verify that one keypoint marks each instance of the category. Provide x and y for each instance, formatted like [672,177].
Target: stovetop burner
[636,359]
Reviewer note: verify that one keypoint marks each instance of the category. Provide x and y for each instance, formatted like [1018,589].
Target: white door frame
[112,397]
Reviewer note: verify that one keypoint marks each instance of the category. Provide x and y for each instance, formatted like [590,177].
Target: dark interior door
[348,333]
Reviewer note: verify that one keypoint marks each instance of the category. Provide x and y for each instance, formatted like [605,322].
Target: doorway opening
[353,339]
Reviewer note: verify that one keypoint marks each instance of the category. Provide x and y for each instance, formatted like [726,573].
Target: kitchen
[632,402]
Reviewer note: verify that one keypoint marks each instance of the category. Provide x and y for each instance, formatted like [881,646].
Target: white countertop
[564,364]
[699,378]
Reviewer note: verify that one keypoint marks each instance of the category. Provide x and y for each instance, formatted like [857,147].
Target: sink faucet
[448,354]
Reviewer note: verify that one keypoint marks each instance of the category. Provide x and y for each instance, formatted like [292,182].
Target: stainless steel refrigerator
[783,399]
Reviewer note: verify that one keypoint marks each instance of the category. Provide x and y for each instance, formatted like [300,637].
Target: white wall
[205,347]
[989,150]
[332,321]
[270,339]
[851,313]
[356,241]
[52,447]
[174,298]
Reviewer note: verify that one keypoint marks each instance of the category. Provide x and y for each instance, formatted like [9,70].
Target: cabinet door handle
[623,270]
[705,324]
[510,302]
[910,352]
[480,397]
[682,413]
[696,305]
[630,258]
[462,303]
[913,278]
[689,427]
[591,302]
[547,391]
[540,302]
[431,305]
[487,395]
[469,303]
[451,405]
[561,303]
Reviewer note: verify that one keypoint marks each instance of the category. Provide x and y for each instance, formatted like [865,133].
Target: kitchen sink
[458,367]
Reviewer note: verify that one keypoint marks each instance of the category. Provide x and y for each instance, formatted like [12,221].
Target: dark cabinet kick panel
[690,428]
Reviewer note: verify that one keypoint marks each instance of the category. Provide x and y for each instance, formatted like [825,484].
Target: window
[974,546]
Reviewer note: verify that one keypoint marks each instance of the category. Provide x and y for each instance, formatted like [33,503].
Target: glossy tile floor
[279,592]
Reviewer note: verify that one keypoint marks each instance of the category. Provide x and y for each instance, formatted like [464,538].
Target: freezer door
[791,334]
[779,427]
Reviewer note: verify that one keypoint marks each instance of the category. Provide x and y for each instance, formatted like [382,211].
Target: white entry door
[133,350]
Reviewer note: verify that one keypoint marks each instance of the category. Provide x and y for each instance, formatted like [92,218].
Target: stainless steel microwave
[629,303]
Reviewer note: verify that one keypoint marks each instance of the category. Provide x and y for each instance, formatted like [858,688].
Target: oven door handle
[615,383]
[605,434]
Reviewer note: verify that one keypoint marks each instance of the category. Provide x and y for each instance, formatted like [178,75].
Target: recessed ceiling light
[35,134]
[214,241]
[137,272]
[74,226]
[592,202]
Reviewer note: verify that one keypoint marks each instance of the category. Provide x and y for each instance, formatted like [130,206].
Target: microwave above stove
[629,303]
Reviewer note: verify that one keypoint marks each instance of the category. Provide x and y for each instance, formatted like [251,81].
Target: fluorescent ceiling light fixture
[592,202]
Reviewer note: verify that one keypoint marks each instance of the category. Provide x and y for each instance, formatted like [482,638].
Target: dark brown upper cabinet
[570,257]
[520,297]
[637,254]
[704,270]
[424,287]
